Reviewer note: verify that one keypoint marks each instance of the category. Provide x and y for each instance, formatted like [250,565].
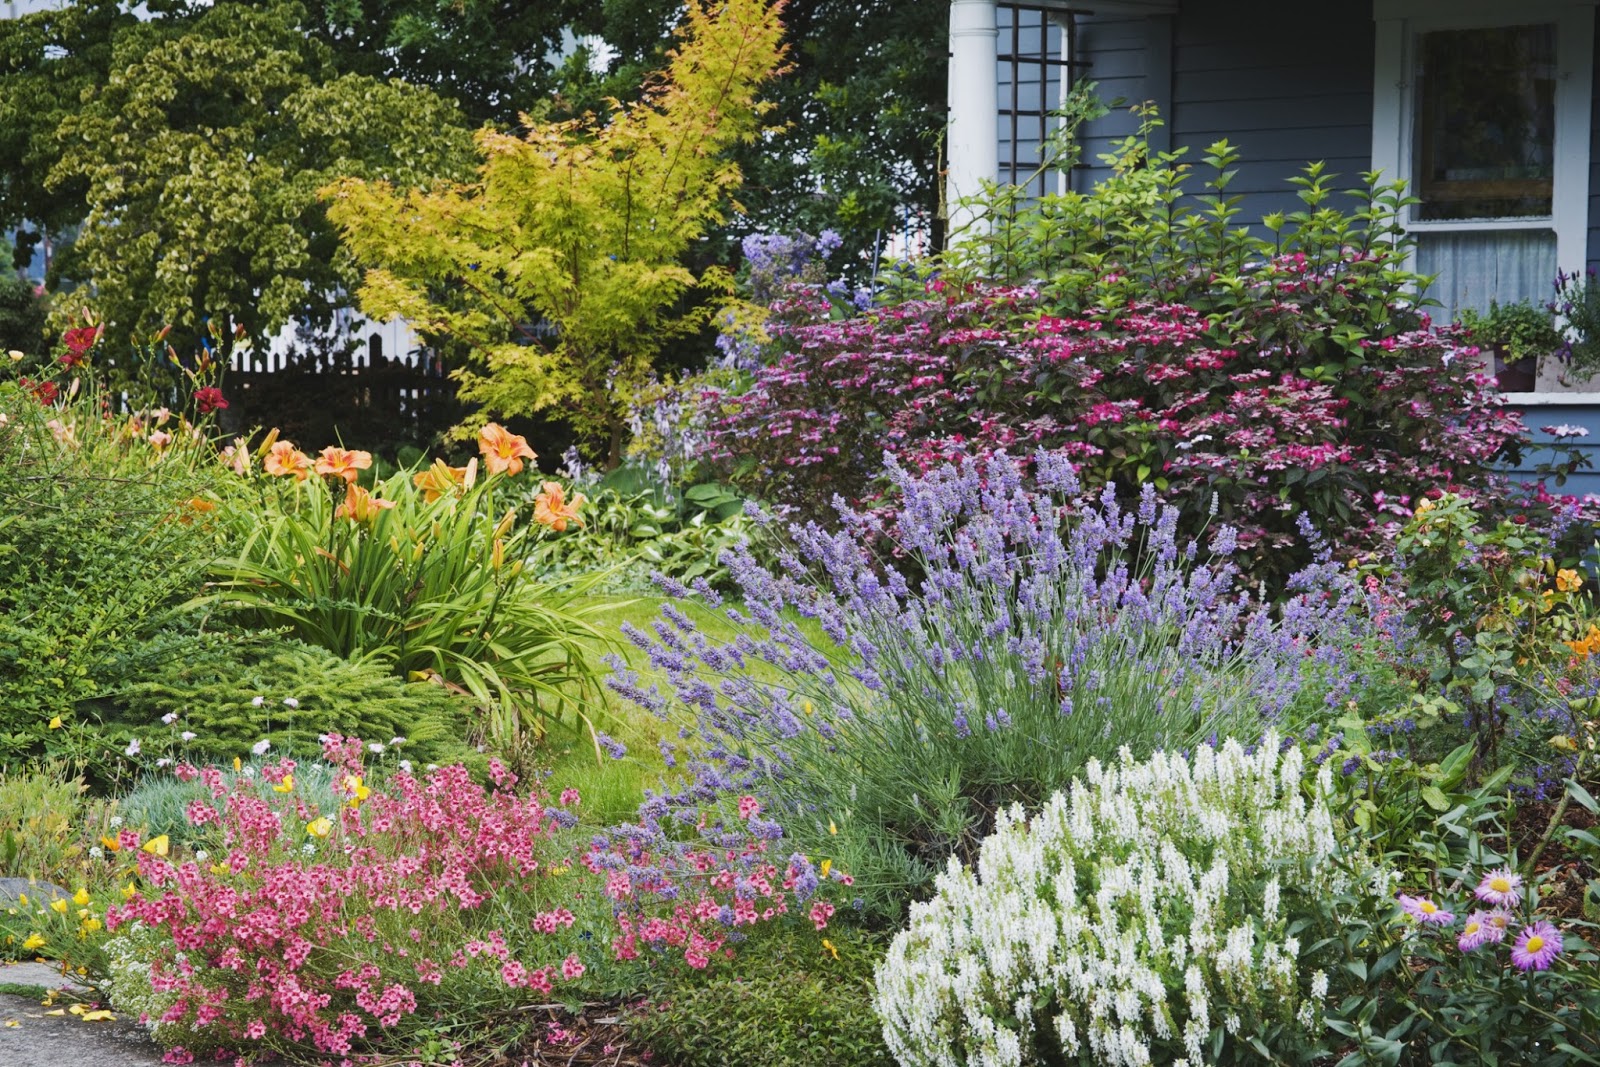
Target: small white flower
[163,762]
[201,855]
[432,767]
[116,821]
[261,746]
[405,765]
[187,735]
[374,747]
[258,701]
[96,852]
[170,717]
[395,742]
[133,747]
[290,702]
[309,849]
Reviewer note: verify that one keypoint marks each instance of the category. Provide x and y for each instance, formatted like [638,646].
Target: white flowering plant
[1152,914]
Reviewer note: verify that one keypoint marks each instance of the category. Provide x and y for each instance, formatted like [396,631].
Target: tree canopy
[200,157]
[580,225]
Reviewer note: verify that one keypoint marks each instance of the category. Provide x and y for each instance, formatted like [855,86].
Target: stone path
[41,1040]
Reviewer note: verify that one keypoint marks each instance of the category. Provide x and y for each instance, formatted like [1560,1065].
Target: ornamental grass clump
[883,736]
[1146,915]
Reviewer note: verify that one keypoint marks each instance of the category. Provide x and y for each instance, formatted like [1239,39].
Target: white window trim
[1398,21]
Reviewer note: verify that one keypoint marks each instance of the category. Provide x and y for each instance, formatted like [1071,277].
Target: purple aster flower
[1426,911]
[1536,947]
[1500,887]
[1481,929]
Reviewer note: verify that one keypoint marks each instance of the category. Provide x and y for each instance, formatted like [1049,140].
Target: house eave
[1111,7]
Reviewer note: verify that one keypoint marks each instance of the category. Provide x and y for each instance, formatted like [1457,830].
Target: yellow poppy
[129,892]
[827,865]
[321,826]
[157,846]
[34,941]
[81,897]
[285,786]
[352,788]
[55,723]
[58,906]
[827,946]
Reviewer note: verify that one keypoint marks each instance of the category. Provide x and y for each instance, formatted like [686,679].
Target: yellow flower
[827,946]
[1567,581]
[34,941]
[237,764]
[832,829]
[22,898]
[352,788]
[319,827]
[58,906]
[220,869]
[129,892]
[81,897]
[285,786]
[110,842]
[503,450]
[827,865]
[91,925]
[55,723]
[157,846]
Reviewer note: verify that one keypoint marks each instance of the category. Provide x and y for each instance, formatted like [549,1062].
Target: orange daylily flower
[441,479]
[503,450]
[284,459]
[360,505]
[551,507]
[336,462]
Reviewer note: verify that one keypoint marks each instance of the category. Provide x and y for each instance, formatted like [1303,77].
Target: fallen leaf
[98,1016]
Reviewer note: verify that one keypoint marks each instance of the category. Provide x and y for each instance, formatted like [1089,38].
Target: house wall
[1586,415]
[1285,83]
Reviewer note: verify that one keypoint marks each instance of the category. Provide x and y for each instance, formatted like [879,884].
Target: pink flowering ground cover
[422,901]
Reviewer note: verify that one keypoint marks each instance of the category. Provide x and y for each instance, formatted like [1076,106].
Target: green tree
[202,155]
[582,224]
[856,124]
[47,61]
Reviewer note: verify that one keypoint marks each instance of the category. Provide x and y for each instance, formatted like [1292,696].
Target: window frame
[1399,22]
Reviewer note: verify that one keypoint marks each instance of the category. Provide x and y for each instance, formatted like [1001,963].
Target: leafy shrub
[424,574]
[790,1000]
[1028,647]
[22,315]
[107,526]
[1153,914]
[229,691]
[1268,377]
[1490,976]
[40,832]
[634,527]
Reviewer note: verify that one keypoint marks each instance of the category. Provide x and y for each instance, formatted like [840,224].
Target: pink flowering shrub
[329,932]
[1250,414]
[1152,342]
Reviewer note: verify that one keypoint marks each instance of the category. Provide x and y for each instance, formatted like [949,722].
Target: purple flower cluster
[1024,631]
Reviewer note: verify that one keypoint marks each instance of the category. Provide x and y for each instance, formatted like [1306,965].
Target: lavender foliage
[882,719]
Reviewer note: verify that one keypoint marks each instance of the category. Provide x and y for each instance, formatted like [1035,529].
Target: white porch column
[972,141]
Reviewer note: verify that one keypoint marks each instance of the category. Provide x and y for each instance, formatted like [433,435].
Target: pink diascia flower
[1483,928]
[1424,910]
[748,806]
[572,968]
[1536,947]
[1500,887]
[569,796]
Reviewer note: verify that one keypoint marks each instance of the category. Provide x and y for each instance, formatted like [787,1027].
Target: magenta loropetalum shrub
[1262,409]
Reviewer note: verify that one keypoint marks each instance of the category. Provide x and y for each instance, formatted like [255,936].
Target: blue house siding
[1552,414]
[1230,79]
[1593,254]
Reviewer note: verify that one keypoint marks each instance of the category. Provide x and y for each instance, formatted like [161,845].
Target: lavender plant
[883,736]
